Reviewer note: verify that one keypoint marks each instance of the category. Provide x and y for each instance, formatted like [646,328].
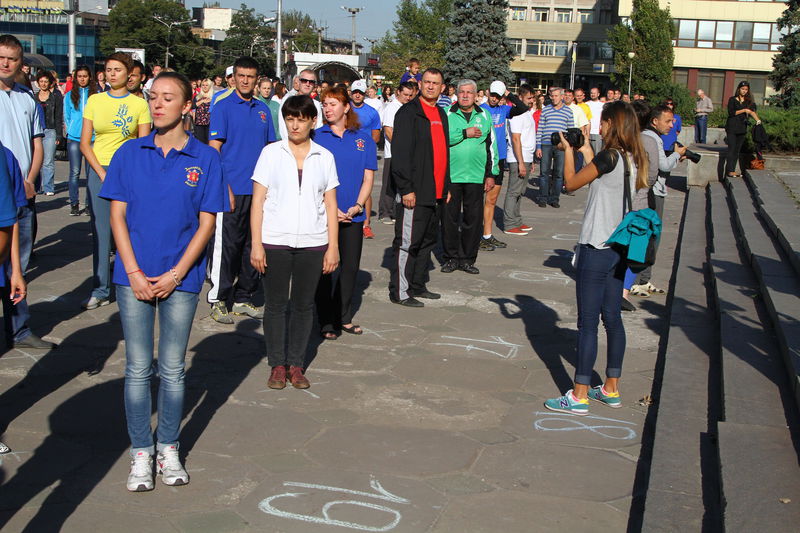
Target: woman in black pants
[740,107]
[356,161]
[294,215]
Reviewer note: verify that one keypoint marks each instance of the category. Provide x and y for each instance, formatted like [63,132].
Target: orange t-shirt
[439,147]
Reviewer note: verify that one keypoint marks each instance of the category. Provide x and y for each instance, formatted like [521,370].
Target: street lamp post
[278,41]
[72,54]
[169,26]
[631,55]
[353,12]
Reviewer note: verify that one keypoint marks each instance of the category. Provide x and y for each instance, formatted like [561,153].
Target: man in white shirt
[386,203]
[521,146]
[372,99]
[594,123]
[305,81]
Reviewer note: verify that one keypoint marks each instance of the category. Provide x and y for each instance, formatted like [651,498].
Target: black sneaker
[469,268]
[542,203]
[555,204]
[449,266]
[74,211]
[627,305]
[428,295]
[494,242]
[486,245]
[408,302]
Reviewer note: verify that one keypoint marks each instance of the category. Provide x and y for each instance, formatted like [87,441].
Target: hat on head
[359,85]
[497,87]
[229,71]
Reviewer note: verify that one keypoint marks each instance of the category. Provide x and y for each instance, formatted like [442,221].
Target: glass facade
[727,35]
[51,41]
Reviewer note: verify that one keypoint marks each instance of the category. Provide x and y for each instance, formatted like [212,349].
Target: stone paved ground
[430,421]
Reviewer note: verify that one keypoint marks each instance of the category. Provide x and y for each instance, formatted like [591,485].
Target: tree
[417,33]
[786,74]
[302,30]
[648,34]
[477,47]
[132,24]
[249,35]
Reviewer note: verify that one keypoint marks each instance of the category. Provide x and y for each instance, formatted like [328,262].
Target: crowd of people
[245,183]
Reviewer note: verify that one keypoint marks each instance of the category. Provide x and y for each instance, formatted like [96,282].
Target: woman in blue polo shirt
[165,190]
[294,216]
[356,161]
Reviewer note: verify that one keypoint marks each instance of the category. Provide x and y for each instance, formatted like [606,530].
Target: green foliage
[718,117]
[649,36]
[132,25]
[249,35]
[785,76]
[418,32]
[782,127]
[684,103]
[302,29]
[477,47]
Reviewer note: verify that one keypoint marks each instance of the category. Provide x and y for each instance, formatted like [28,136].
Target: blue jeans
[16,316]
[599,291]
[700,128]
[75,159]
[551,174]
[176,313]
[101,238]
[49,163]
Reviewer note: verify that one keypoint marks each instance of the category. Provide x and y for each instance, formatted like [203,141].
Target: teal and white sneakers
[599,394]
[568,404]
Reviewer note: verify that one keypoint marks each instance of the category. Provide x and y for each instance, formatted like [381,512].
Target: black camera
[574,137]
[694,157]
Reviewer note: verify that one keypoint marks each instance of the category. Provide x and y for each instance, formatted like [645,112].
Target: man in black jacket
[420,177]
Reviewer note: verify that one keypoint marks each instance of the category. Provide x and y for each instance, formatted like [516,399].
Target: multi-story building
[561,42]
[722,42]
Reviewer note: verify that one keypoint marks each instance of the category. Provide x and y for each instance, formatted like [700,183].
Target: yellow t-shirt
[586,109]
[115,120]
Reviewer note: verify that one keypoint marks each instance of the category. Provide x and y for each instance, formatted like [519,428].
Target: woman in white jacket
[294,215]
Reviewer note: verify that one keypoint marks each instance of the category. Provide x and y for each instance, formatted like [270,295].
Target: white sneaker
[170,467]
[140,478]
[94,302]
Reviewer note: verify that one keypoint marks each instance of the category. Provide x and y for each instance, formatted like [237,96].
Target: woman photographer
[740,108]
[601,269]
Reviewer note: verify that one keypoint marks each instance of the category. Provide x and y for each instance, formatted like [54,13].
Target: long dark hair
[75,92]
[748,98]
[623,135]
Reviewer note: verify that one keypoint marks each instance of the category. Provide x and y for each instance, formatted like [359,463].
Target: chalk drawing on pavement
[503,348]
[540,276]
[605,427]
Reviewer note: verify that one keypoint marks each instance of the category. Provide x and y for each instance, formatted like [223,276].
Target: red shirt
[439,146]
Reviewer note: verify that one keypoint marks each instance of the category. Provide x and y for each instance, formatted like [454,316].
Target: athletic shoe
[469,268]
[555,204]
[74,210]
[49,194]
[408,302]
[428,295]
[299,381]
[486,245]
[94,302]
[640,291]
[627,305]
[4,448]
[652,289]
[541,203]
[525,227]
[140,477]
[170,467]
[277,378]
[368,233]
[220,313]
[387,221]
[515,231]
[568,404]
[497,244]
[247,308]
[599,394]
[449,266]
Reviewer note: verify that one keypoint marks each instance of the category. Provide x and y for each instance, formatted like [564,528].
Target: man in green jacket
[473,166]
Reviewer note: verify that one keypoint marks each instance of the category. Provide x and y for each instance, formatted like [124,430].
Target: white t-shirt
[594,122]
[282,123]
[525,125]
[294,211]
[389,111]
[375,103]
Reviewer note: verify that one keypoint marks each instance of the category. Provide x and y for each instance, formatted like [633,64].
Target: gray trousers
[515,190]
[596,141]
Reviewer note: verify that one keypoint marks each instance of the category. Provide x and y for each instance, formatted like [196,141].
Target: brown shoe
[297,378]
[277,379]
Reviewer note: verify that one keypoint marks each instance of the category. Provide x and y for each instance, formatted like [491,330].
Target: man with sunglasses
[306,82]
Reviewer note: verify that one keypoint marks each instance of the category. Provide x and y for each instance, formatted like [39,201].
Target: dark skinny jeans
[599,291]
[334,300]
[301,268]
[735,142]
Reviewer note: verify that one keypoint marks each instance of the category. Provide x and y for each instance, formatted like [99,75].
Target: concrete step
[759,474]
[778,282]
[682,490]
[778,208]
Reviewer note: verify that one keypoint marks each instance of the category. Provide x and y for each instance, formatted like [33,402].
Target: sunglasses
[304,80]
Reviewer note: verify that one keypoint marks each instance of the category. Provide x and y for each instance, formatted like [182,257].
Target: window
[585,16]
[518,13]
[516,45]
[584,50]
[761,33]
[541,14]
[532,47]
[547,48]
[563,15]
[727,35]
[606,16]
[743,35]
[686,32]
[561,48]
[604,51]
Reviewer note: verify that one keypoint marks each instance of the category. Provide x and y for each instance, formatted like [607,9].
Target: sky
[372,23]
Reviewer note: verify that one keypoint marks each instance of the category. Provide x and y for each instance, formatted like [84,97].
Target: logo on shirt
[263,116]
[123,120]
[193,176]
[360,144]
